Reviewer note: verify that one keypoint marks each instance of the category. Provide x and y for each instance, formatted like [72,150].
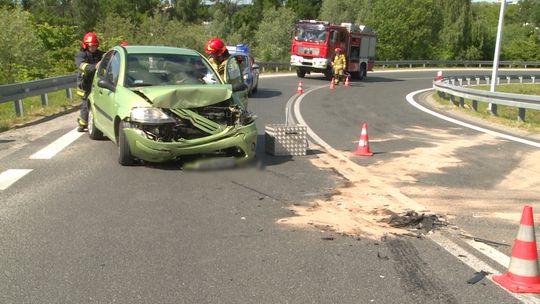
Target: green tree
[86,14]
[337,11]
[21,51]
[406,29]
[305,9]
[114,29]
[187,10]
[274,35]
[455,35]
[61,44]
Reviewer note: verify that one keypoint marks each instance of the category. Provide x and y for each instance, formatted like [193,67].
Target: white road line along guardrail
[519,101]
[410,99]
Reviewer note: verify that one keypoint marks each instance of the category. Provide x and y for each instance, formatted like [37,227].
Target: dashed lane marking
[55,147]
[8,177]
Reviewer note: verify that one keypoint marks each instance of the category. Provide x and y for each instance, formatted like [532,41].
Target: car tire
[300,73]
[93,132]
[124,152]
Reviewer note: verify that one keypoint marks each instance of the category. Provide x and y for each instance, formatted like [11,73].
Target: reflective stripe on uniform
[83,66]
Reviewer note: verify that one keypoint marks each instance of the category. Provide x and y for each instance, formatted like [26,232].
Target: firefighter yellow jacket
[339,62]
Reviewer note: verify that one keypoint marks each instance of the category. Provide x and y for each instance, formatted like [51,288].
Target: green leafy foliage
[414,29]
[21,50]
[274,34]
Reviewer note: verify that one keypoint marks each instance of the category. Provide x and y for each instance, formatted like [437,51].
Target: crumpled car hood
[187,96]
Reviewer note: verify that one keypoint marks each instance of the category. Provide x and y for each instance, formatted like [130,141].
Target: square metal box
[283,139]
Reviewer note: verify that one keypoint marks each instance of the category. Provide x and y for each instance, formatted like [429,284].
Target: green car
[163,104]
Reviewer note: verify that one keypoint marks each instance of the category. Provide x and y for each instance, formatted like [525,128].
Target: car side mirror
[255,66]
[106,85]
[240,86]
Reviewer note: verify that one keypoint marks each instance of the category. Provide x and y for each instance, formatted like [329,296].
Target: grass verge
[33,110]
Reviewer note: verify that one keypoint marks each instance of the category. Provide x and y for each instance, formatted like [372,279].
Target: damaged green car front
[158,119]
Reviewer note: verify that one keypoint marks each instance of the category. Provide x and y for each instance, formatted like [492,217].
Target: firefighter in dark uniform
[86,60]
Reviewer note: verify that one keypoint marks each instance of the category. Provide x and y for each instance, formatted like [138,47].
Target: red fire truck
[314,43]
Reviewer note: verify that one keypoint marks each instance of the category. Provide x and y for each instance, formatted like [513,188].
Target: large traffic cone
[523,274]
[299,90]
[363,144]
[439,76]
[346,81]
[332,85]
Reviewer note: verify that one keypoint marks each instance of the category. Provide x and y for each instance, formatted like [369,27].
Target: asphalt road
[79,228]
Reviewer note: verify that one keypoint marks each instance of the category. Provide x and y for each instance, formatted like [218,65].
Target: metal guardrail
[521,101]
[18,91]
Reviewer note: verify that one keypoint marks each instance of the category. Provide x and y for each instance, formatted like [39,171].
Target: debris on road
[417,221]
[478,276]
[382,257]
[487,242]
[327,238]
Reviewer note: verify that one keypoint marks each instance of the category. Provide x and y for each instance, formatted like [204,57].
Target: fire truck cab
[314,42]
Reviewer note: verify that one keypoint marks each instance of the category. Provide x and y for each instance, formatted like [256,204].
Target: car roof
[146,49]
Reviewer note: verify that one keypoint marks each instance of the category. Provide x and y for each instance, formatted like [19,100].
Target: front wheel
[124,152]
[300,73]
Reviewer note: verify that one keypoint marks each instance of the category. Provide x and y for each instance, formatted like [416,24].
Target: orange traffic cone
[346,81]
[300,90]
[439,76]
[332,85]
[523,274]
[363,144]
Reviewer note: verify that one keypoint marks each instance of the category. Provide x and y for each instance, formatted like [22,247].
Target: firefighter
[339,64]
[86,60]
[217,55]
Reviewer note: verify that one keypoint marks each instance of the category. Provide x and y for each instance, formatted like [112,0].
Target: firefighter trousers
[83,114]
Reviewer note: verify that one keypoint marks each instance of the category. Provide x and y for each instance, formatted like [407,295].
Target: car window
[167,69]
[101,72]
[113,69]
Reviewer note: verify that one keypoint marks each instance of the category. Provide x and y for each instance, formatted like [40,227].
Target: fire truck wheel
[363,72]
[300,73]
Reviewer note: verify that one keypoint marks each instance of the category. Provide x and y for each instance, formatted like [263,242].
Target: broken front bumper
[243,138]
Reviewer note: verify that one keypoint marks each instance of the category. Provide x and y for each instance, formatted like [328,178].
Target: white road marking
[51,150]
[410,99]
[490,252]
[8,177]
[477,264]
[443,241]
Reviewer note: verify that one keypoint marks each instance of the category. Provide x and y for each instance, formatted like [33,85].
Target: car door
[104,101]
[234,76]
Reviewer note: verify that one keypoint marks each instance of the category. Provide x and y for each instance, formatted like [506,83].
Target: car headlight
[150,115]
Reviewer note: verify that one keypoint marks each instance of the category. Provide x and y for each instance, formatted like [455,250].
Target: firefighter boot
[83,125]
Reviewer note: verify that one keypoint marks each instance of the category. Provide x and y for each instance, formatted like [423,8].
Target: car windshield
[167,69]
[311,34]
